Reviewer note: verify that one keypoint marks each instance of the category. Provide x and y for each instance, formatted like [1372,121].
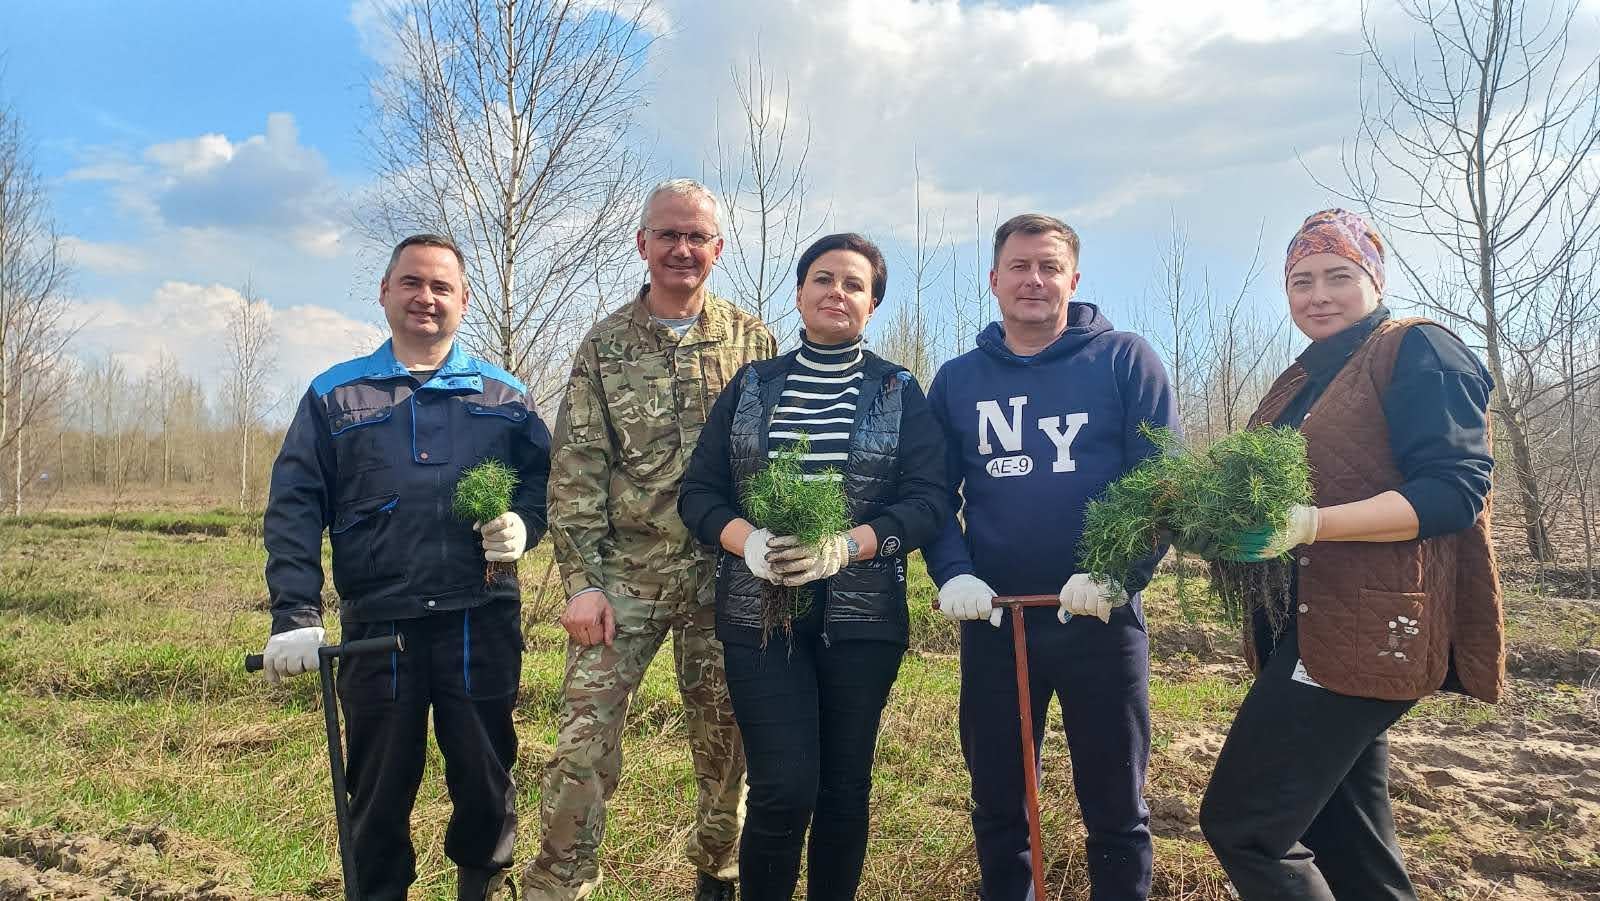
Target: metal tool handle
[326,655]
[1030,772]
[1017,600]
[383,644]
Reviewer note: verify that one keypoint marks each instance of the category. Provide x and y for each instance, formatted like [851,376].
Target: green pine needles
[781,500]
[1203,496]
[482,493]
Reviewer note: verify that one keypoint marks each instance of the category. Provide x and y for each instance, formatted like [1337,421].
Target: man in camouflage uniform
[643,380]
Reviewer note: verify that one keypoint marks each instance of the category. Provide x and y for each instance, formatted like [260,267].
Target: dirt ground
[44,863]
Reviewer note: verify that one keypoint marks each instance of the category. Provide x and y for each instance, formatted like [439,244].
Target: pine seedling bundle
[780,499]
[1203,496]
[482,493]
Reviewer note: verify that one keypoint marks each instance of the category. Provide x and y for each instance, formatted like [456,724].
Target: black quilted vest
[867,599]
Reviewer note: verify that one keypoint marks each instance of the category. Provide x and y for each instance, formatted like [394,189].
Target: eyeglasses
[671,236]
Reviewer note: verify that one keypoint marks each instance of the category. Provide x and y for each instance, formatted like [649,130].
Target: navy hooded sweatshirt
[1030,440]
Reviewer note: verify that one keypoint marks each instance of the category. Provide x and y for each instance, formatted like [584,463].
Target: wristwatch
[852,548]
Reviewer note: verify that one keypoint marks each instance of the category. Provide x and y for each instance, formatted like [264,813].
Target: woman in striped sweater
[809,706]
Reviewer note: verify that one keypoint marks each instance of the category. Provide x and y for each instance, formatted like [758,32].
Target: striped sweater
[819,401]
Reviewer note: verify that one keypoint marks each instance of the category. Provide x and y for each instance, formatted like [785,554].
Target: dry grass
[122,704]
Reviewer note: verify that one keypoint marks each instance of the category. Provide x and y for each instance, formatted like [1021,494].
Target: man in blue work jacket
[372,456]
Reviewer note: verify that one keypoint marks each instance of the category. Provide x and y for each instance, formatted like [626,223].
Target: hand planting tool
[1030,772]
[326,655]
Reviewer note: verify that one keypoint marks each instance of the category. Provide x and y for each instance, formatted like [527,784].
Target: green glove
[1253,545]
[1265,543]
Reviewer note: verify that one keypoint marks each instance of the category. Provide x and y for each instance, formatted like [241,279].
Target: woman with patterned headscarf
[1384,592]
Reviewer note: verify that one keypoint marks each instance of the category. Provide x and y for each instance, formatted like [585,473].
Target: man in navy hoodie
[1038,420]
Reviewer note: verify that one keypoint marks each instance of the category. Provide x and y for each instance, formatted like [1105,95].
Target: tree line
[510,126]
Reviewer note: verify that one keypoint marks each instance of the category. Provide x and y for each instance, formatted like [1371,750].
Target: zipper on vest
[827,609]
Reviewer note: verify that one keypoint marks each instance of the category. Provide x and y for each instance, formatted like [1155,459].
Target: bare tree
[249,348]
[34,330]
[1575,312]
[970,307]
[1470,149]
[1172,320]
[504,124]
[762,185]
[162,382]
[911,337]
[1237,340]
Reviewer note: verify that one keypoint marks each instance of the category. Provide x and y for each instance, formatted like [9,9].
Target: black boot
[711,888]
[473,884]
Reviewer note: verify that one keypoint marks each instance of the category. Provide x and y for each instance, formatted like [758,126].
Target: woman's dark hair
[847,241]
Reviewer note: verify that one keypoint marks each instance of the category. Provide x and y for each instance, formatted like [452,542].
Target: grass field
[140,758]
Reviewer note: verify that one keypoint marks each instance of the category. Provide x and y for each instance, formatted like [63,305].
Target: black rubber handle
[383,644]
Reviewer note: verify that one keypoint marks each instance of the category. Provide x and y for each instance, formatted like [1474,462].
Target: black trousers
[809,713]
[465,665]
[1101,674]
[1298,807]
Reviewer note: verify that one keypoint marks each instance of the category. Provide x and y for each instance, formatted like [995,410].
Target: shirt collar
[1328,355]
[457,365]
[711,326]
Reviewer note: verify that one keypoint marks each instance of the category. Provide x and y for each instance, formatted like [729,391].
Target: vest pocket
[1389,633]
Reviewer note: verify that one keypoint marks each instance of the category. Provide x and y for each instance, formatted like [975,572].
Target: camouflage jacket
[634,407]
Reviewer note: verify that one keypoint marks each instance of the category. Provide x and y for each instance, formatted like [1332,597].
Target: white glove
[1083,596]
[755,555]
[1300,529]
[968,597]
[291,653]
[797,564]
[505,538]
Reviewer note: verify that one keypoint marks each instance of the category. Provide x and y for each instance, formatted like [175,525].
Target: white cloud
[189,320]
[105,257]
[266,185]
[1104,110]
[195,156]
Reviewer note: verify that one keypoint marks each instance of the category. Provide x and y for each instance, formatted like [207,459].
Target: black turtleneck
[1437,411]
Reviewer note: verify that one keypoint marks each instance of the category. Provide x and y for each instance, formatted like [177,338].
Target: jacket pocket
[362,537]
[644,418]
[357,446]
[1389,633]
[513,412]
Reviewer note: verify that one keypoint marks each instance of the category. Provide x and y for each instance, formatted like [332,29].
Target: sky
[191,148]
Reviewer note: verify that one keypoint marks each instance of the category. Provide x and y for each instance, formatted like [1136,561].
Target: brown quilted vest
[1382,619]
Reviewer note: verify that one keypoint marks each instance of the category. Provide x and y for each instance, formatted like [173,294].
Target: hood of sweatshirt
[1085,322]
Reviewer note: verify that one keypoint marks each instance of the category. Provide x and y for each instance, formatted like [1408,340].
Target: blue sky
[86,75]
[193,145]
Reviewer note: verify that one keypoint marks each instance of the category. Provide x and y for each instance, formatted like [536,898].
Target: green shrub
[482,493]
[780,499]
[1203,496]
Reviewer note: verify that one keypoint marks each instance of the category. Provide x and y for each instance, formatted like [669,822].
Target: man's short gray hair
[683,187]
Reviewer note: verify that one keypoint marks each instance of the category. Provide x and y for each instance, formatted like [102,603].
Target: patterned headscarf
[1341,232]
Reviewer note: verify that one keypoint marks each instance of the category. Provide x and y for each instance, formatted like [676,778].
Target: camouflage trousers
[599,685]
